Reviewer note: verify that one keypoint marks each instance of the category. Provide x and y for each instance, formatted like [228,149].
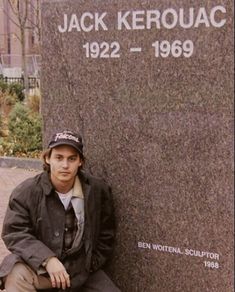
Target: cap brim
[59,143]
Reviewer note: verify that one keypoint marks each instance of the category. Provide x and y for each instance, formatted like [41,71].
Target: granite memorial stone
[149,84]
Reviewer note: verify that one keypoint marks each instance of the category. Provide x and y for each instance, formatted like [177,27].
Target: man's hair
[46,153]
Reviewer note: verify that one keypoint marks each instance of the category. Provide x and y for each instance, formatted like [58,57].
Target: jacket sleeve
[105,230]
[18,231]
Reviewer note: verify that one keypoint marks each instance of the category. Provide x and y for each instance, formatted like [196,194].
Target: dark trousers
[96,282]
[99,282]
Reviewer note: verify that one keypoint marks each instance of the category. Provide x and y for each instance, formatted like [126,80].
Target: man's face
[64,163]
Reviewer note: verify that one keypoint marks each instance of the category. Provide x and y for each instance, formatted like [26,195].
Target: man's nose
[65,163]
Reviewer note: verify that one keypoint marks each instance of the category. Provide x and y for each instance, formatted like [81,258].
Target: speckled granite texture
[160,130]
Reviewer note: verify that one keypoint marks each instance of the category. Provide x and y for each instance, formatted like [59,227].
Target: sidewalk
[9,179]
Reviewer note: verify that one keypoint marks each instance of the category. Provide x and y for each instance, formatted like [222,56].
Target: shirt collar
[77,189]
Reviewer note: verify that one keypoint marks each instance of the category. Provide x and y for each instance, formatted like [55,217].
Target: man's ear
[47,160]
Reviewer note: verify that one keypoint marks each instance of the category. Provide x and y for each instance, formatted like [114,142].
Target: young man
[59,226]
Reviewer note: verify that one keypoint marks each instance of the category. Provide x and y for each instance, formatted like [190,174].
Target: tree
[25,129]
[26,15]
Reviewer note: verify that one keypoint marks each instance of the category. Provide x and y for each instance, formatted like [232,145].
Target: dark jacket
[33,227]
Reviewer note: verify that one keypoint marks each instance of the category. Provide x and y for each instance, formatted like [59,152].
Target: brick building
[11,40]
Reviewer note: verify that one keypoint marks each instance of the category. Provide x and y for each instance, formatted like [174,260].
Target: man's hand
[58,274]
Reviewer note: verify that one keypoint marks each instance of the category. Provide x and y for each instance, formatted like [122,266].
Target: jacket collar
[46,183]
[84,179]
[77,189]
[48,187]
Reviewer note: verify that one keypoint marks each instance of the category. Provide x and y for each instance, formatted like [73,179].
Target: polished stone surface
[159,129]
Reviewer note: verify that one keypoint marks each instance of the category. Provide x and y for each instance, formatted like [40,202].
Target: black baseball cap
[67,138]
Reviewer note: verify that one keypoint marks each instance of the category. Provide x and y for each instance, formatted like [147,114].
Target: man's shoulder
[30,184]
[32,180]
[93,179]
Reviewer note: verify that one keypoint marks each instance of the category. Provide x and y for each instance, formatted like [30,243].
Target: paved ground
[9,178]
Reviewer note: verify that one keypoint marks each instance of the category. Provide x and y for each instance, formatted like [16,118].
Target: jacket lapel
[86,188]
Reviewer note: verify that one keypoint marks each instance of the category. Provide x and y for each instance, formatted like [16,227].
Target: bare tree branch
[25,15]
[11,19]
[13,7]
[25,11]
[31,4]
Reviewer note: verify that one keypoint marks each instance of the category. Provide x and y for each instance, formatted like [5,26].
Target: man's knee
[23,278]
[20,277]
[20,272]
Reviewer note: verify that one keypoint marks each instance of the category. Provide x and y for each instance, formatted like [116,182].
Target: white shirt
[65,198]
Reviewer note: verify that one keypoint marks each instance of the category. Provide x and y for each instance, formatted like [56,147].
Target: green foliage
[6,148]
[33,102]
[25,130]
[18,89]
[9,99]
[20,123]
[15,89]
[3,86]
